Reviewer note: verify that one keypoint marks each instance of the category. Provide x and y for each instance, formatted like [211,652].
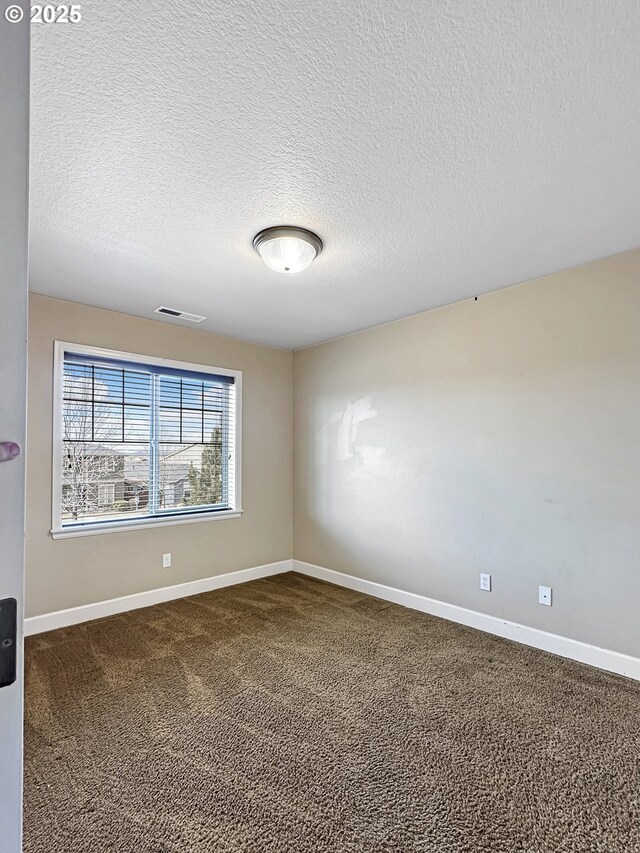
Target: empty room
[320,427]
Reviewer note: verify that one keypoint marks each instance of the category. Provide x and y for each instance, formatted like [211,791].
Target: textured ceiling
[440,149]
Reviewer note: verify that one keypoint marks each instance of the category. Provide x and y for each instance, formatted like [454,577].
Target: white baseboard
[606,659]
[565,647]
[86,612]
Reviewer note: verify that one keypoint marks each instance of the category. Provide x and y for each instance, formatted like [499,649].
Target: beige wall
[501,435]
[70,572]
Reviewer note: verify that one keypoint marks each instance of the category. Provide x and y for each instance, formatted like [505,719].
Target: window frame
[112,491]
[58,531]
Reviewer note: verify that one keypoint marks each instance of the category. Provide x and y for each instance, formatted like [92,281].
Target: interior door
[14,138]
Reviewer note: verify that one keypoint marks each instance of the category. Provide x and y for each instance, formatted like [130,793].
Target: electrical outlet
[166,561]
[544,595]
[485,582]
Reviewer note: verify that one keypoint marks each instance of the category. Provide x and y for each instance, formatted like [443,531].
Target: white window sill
[141,524]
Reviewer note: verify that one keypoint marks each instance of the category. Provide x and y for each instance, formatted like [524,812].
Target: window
[141,441]
[106,494]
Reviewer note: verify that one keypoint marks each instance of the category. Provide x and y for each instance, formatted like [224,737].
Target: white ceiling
[440,149]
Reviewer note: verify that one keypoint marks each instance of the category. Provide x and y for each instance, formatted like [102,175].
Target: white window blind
[141,440]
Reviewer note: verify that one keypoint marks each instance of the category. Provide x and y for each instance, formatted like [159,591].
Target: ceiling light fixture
[286,248]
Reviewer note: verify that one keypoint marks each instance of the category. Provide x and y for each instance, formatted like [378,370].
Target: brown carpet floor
[292,715]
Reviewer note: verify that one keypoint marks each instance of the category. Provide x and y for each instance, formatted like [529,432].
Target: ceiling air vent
[180,315]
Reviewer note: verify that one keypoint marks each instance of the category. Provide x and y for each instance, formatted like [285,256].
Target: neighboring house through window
[142,440]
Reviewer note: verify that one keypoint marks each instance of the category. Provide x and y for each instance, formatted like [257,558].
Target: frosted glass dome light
[286,248]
